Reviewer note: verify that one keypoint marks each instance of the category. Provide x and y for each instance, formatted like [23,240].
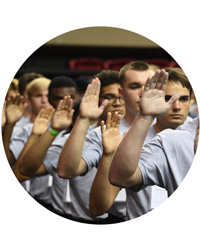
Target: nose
[141,90]
[44,99]
[176,106]
[117,101]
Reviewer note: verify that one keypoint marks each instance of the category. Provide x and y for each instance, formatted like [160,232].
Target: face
[38,101]
[179,110]
[132,90]
[58,94]
[115,102]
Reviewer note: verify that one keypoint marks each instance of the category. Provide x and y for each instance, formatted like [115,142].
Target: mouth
[176,116]
[118,111]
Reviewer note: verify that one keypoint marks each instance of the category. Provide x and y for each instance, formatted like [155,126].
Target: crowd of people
[108,155]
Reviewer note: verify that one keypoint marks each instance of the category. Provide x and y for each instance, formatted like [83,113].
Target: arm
[68,165]
[196,139]
[14,110]
[103,194]
[39,127]
[32,162]
[124,171]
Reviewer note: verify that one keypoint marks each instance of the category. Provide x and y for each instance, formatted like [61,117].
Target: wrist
[84,120]
[108,154]
[52,131]
[146,118]
[11,124]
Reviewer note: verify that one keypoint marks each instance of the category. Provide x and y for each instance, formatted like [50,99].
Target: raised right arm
[70,163]
[124,171]
[14,110]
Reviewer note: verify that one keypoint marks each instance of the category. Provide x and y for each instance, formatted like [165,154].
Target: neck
[160,127]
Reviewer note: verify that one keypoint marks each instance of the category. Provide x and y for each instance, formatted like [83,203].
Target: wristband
[52,131]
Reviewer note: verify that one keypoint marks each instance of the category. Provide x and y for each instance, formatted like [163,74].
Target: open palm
[14,109]
[153,98]
[42,120]
[63,115]
[89,107]
[111,136]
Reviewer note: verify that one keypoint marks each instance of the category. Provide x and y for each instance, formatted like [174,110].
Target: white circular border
[25,224]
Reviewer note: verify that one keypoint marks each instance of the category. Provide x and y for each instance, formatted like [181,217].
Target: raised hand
[89,107]
[153,98]
[42,120]
[111,136]
[14,108]
[63,115]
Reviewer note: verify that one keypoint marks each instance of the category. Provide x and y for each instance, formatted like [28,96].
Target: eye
[134,87]
[184,98]
[109,96]
[167,98]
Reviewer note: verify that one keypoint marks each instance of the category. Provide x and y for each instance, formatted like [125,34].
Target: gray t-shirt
[39,186]
[167,158]
[139,203]
[92,153]
[79,186]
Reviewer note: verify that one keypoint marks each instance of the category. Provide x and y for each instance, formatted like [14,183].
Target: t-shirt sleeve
[153,163]
[19,138]
[51,159]
[92,150]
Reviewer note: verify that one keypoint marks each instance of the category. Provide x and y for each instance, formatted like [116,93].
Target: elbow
[95,211]
[23,170]
[114,180]
[62,173]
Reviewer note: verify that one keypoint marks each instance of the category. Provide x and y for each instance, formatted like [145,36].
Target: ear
[120,91]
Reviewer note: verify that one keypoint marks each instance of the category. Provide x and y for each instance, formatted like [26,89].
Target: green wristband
[52,131]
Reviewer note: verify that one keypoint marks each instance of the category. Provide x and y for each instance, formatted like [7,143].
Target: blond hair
[37,85]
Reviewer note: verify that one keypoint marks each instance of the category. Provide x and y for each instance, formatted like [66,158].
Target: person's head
[178,83]
[110,85]
[61,86]
[133,78]
[37,91]
[13,89]
[25,79]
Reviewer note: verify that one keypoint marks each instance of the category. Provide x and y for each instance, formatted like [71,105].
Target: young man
[43,161]
[88,154]
[166,159]
[57,88]
[37,91]
[102,198]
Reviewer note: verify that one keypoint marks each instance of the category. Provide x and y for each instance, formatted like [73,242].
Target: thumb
[173,99]
[103,105]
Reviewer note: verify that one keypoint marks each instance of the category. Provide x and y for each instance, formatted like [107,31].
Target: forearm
[127,155]
[71,153]
[35,154]
[102,194]
[20,175]
[6,135]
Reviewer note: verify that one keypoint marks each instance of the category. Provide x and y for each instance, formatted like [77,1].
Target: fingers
[113,122]
[93,88]
[158,81]
[108,121]
[102,127]
[65,104]
[46,113]
[173,99]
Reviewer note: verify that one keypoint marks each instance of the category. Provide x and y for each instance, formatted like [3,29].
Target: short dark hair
[178,75]
[25,79]
[62,82]
[108,77]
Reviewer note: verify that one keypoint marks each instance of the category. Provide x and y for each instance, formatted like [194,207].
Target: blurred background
[84,52]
